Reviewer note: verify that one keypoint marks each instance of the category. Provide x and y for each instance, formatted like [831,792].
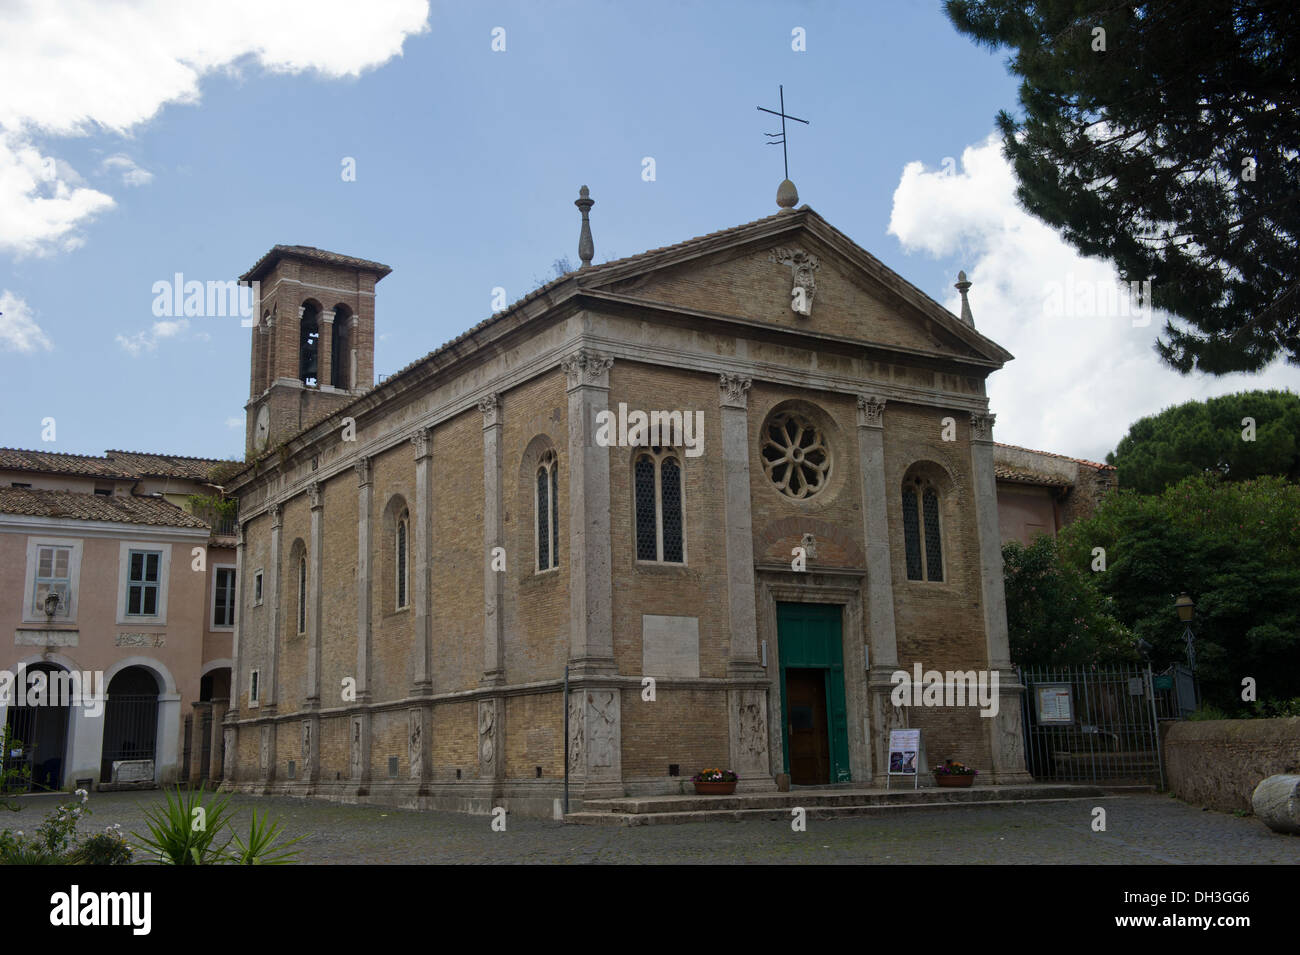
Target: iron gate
[1091,724]
[37,739]
[130,730]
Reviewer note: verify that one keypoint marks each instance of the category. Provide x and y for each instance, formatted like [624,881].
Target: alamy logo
[102,908]
[194,299]
[656,429]
[56,688]
[946,688]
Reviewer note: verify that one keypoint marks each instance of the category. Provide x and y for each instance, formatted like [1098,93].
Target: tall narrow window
[340,349]
[548,513]
[142,583]
[223,597]
[921,527]
[657,476]
[302,594]
[933,549]
[401,564]
[308,344]
[52,577]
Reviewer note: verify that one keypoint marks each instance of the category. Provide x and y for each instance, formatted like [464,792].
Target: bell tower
[313,345]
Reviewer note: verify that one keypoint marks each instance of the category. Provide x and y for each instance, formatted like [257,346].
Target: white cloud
[18,330]
[42,200]
[141,342]
[1083,372]
[132,175]
[82,67]
[233,423]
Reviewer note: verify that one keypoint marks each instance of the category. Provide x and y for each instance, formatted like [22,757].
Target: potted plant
[953,773]
[715,782]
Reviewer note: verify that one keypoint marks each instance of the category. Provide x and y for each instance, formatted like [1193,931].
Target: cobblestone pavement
[1139,829]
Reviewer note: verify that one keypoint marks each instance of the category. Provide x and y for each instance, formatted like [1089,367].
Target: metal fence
[130,730]
[1091,724]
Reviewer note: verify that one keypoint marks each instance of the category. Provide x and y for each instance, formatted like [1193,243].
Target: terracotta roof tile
[95,507]
[53,462]
[312,254]
[1004,472]
[1084,461]
[119,465]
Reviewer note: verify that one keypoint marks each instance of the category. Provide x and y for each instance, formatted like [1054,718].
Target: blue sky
[194,145]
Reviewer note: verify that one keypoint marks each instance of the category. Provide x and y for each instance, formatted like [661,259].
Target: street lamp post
[1186,608]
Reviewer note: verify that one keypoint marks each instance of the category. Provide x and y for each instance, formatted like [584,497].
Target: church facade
[724,491]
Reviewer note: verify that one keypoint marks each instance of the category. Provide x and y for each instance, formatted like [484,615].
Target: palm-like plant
[184,831]
[261,848]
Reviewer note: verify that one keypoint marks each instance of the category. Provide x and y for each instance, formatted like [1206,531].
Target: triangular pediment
[750,272]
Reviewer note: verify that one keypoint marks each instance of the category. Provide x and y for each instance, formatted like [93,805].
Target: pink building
[110,584]
[1040,492]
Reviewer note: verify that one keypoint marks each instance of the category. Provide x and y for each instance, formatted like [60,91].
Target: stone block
[1277,803]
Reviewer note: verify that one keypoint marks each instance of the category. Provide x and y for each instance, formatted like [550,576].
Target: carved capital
[871,411]
[733,388]
[327,317]
[314,495]
[363,469]
[421,441]
[491,408]
[981,426]
[277,516]
[586,367]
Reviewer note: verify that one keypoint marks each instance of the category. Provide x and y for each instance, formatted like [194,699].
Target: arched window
[302,594]
[548,512]
[400,567]
[658,491]
[341,348]
[921,525]
[308,343]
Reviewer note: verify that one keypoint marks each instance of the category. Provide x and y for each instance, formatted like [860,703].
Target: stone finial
[586,248]
[787,196]
[963,286]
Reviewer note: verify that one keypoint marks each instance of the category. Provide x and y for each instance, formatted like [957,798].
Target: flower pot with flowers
[952,773]
[715,782]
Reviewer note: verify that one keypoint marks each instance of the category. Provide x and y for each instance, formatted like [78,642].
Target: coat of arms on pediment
[803,265]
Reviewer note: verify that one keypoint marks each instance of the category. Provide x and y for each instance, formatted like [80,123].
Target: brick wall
[1218,763]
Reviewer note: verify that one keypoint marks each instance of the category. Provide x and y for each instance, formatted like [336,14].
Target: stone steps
[821,804]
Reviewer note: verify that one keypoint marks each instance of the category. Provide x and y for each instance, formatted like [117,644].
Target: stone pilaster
[493,578]
[236,638]
[269,692]
[421,535]
[591,640]
[747,700]
[217,761]
[881,635]
[325,348]
[309,750]
[314,595]
[1006,742]
[365,496]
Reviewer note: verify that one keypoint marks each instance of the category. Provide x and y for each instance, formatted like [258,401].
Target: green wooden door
[810,639]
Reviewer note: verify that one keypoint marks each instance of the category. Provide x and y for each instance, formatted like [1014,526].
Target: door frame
[833,693]
[844,587]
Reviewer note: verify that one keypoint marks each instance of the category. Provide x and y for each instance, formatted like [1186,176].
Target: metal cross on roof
[780,137]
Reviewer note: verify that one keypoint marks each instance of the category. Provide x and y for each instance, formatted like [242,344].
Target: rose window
[795,455]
